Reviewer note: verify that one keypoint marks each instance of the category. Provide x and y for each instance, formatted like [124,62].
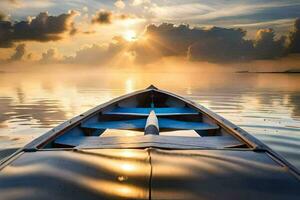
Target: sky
[143,32]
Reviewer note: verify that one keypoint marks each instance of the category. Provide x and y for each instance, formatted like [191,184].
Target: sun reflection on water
[129,85]
[128,167]
[108,172]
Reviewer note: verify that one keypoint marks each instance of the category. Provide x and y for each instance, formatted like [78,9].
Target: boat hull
[147,174]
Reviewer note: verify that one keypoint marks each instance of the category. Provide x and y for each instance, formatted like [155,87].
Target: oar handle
[152,124]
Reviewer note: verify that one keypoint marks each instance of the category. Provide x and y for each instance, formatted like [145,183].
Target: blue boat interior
[126,124]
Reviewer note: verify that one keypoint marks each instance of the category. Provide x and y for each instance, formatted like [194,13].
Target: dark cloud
[107,17]
[221,45]
[165,40]
[19,53]
[5,34]
[294,37]
[103,17]
[42,28]
[2,16]
[173,39]
[214,44]
[266,47]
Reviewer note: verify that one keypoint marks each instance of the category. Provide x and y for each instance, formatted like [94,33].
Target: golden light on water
[128,153]
[128,167]
[129,179]
[129,85]
[118,162]
[117,189]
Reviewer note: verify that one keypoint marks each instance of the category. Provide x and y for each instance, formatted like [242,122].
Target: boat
[150,144]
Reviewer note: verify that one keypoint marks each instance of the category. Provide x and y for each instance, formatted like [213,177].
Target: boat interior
[147,119]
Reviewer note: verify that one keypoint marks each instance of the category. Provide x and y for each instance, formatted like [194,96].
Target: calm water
[266,105]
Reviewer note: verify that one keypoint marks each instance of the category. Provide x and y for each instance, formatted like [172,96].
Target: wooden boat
[150,144]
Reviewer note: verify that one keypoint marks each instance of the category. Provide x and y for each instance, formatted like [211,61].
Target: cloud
[26,4]
[221,45]
[279,22]
[218,13]
[50,56]
[98,54]
[215,44]
[294,37]
[11,2]
[2,17]
[19,53]
[180,11]
[107,17]
[85,9]
[266,47]
[163,40]
[140,2]
[103,17]
[73,29]
[14,1]
[41,28]
[120,4]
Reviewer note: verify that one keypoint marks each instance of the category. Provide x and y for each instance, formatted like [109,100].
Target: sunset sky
[144,31]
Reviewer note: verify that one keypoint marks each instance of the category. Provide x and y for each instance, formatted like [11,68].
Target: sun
[130,35]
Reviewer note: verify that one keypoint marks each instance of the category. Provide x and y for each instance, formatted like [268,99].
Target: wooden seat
[140,124]
[122,124]
[158,111]
[185,125]
[149,140]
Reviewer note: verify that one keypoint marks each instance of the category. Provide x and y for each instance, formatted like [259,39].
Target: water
[266,105]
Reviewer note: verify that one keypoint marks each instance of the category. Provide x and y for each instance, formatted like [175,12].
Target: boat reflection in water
[131,174]
[88,174]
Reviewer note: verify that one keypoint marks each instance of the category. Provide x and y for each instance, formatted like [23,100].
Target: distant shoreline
[284,72]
